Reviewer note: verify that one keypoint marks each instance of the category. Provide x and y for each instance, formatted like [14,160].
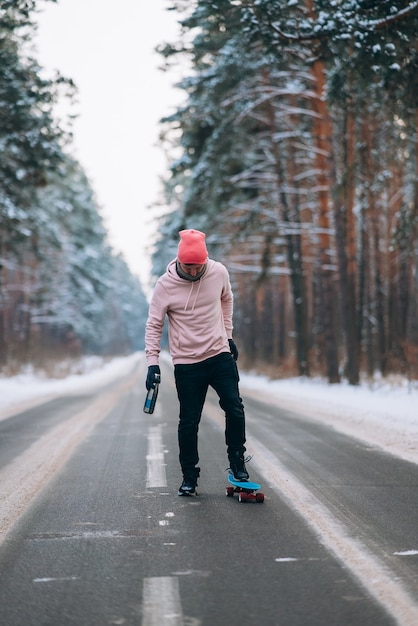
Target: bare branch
[394,18]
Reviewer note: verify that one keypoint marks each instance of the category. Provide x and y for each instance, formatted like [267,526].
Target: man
[195,294]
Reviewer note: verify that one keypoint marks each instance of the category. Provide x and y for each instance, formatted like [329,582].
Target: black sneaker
[188,487]
[237,466]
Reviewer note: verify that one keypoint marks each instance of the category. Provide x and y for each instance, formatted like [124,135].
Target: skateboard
[246,491]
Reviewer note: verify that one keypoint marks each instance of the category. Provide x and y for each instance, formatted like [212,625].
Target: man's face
[192,269]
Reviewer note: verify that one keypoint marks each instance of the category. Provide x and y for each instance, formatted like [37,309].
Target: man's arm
[154,326]
[227,303]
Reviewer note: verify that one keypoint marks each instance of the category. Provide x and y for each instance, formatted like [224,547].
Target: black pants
[192,382]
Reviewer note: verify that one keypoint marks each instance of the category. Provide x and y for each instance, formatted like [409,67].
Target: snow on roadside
[383,414]
[26,390]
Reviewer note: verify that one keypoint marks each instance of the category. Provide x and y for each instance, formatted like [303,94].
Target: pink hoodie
[199,315]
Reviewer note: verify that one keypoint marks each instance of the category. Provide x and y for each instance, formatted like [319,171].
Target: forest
[295,150]
[64,292]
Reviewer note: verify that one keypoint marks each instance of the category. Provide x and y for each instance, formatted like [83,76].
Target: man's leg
[224,379]
[191,387]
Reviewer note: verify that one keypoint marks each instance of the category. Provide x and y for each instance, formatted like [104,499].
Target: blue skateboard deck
[243,485]
[245,490]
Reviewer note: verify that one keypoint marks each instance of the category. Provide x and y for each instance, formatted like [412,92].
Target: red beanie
[192,247]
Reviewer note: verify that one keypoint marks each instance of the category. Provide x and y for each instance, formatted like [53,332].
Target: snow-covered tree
[298,156]
[63,291]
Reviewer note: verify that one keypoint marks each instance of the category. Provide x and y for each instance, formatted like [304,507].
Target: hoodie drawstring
[190,294]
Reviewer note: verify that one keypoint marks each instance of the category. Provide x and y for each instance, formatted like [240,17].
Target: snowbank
[383,414]
[26,390]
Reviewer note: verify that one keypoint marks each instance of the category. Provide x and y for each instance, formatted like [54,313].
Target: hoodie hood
[191,279]
[193,282]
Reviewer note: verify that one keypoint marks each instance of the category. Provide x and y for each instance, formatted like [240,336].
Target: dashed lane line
[156,474]
[161,603]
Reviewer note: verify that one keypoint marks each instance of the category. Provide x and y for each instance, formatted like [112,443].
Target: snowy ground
[383,414]
[26,390]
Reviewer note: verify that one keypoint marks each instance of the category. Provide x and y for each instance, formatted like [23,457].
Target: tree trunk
[322,137]
[346,248]
[293,249]
[4,310]
[377,295]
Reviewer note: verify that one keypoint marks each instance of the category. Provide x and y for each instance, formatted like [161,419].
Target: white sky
[107,48]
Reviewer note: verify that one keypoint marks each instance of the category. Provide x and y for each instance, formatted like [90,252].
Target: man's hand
[233,349]
[153,376]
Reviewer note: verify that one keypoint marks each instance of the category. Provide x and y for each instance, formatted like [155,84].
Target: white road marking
[23,478]
[368,569]
[374,575]
[161,602]
[49,580]
[156,476]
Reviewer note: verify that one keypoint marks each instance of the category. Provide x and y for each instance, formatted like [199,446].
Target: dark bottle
[152,394]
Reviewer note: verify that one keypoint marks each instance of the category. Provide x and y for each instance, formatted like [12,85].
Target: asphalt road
[93,532]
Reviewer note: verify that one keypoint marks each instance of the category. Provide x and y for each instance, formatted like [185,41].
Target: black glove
[233,349]
[153,372]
